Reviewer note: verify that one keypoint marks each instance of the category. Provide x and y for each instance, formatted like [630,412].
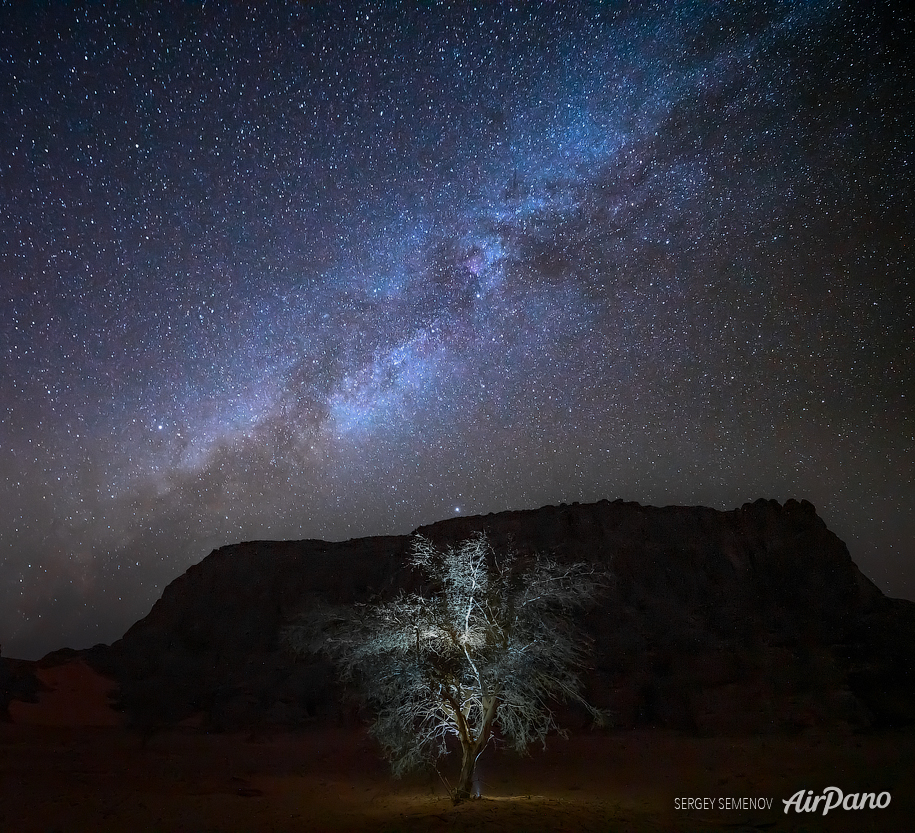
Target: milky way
[333,270]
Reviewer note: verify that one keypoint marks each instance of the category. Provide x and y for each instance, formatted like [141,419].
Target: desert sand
[67,763]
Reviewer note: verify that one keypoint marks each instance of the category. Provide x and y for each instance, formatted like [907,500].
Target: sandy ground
[59,774]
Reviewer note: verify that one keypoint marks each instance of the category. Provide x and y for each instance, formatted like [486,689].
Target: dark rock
[17,682]
[743,621]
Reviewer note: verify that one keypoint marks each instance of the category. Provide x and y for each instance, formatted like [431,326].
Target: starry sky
[327,270]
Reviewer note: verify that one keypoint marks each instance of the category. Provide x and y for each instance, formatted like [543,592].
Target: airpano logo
[833,798]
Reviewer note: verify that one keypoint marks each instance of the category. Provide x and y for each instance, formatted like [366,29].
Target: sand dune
[73,695]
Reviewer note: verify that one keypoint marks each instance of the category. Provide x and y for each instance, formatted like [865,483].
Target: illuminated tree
[489,647]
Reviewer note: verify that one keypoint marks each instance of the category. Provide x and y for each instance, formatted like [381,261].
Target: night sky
[319,270]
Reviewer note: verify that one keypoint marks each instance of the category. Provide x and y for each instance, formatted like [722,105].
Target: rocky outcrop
[743,621]
[17,683]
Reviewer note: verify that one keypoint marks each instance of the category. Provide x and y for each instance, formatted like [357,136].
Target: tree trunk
[464,788]
[472,750]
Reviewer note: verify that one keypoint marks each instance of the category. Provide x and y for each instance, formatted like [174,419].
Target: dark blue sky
[332,270]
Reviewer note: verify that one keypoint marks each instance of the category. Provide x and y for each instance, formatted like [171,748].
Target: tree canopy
[488,645]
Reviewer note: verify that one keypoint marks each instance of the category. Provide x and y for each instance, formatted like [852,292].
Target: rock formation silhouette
[750,620]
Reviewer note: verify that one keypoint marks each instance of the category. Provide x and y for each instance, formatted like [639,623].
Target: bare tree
[491,646]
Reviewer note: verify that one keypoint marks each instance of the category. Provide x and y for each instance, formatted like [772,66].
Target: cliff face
[750,620]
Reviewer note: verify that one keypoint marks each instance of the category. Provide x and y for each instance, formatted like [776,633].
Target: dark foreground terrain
[331,779]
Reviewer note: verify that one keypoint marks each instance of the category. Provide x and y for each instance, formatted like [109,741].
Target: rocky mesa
[744,621]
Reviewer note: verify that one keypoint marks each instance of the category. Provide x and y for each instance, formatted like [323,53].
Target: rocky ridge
[750,620]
